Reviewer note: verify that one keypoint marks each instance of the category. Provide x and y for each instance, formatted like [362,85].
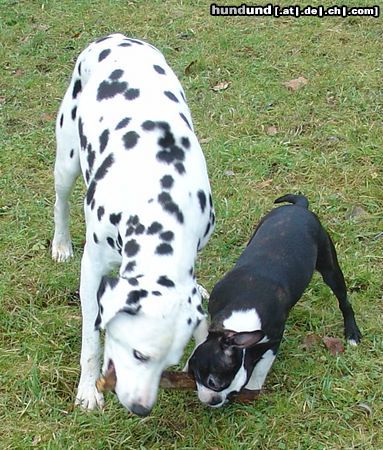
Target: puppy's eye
[138,355]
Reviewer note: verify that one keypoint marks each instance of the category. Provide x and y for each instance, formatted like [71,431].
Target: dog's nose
[140,410]
[215,401]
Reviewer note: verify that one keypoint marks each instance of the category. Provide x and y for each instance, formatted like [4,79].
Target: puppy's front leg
[87,395]
[260,371]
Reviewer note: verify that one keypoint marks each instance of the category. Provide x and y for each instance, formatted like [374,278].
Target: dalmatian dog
[124,123]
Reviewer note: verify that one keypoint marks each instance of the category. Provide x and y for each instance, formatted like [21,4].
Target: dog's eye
[138,355]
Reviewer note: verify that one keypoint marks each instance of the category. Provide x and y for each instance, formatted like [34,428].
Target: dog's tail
[299,200]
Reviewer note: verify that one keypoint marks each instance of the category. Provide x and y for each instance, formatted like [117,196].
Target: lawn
[262,139]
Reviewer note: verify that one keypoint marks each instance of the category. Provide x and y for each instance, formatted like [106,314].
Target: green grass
[328,145]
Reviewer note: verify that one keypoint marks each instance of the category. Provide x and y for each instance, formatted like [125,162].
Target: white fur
[163,325]
[244,320]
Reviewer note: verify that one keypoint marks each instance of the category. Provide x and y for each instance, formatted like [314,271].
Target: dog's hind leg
[328,267]
[67,169]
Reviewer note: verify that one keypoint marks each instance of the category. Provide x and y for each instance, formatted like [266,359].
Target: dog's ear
[112,299]
[242,339]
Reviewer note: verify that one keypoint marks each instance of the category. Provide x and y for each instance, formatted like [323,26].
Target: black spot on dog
[210,201]
[167,140]
[194,291]
[133,281]
[207,229]
[180,168]
[125,44]
[129,231]
[135,296]
[134,41]
[173,154]
[100,212]
[189,321]
[61,120]
[167,181]
[185,142]
[93,204]
[185,120]
[165,281]
[123,123]
[132,94]
[110,241]
[108,90]
[134,220]
[116,74]
[130,266]
[183,96]
[140,229]
[103,169]
[74,111]
[102,39]
[119,240]
[171,96]
[167,236]
[202,200]
[103,54]
[189,300]
[71,154]
[199,309]
[154,228]
[163,125]
[87,176]
[104,137]
[131,248]
[76,88]
[191,270]
[83,139]
[164,249]
[90,192]
[148,125]
[168,205]
[115,218]
[95,238]
[156,293]
[91,157]
[130,139]
[159,69]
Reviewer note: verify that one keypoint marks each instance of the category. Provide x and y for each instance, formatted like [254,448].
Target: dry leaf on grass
[272,131]
[189,67]
[334,345]
[309,341]
[296,83]
[265,183]
[221,86]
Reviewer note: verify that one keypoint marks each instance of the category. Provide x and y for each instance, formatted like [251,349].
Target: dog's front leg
[199,334]
[87,395]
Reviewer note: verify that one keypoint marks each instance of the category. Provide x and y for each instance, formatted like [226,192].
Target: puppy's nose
[215,401]
[140,410]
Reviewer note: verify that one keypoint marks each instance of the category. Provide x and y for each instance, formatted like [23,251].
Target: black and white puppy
[125,125]
[250,305]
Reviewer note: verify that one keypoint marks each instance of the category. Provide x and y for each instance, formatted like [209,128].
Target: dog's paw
[88,398]
[204,293]
[62,251]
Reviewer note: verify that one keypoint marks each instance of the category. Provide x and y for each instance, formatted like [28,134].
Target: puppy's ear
[242,339]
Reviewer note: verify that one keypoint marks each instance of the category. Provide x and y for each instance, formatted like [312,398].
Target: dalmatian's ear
[112,299]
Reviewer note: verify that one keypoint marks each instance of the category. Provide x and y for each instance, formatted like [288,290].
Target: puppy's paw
[204,293]
[62,251]
[88,398]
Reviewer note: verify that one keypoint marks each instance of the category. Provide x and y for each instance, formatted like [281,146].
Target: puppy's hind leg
[328,267]
[67,169]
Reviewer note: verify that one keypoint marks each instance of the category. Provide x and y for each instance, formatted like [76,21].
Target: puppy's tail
[299,200]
